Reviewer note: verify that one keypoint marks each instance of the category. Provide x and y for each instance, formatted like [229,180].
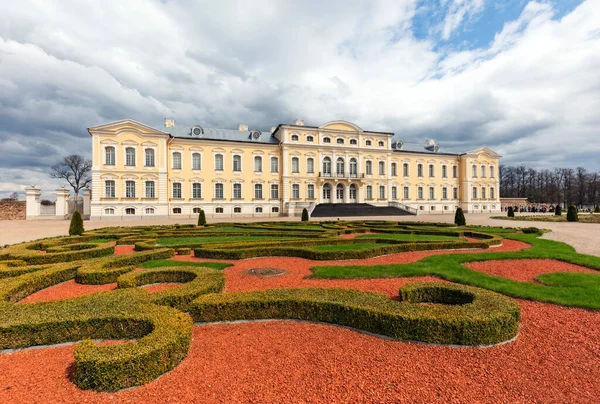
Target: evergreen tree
[304,215]
[459,217]
[558,210]
[572,214]
[597,209]
[511,212]
[76,227]
[201,218]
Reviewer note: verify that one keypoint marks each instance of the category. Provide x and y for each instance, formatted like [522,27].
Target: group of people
[531,208]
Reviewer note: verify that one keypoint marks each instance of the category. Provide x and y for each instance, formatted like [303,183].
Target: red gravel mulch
[157,287]
[525,270]
[124,249]
[554,359]
[66,290]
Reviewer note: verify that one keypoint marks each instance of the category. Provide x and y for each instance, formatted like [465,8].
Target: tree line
[566,186]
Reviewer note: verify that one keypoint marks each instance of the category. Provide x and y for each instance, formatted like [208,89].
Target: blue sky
[518,76]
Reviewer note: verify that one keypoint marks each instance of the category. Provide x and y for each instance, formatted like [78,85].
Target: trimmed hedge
[487,318]
[57,250]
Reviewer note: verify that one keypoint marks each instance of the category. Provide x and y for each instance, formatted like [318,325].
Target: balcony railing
[340,175]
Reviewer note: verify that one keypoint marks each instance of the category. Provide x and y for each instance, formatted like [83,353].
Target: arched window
[419,192]
[382,192]
[327,166]
[454,171]
[339,166]
[353,167]
[219,210]
[339,192]
[218,162]
[130,156]
[110,156]
[295,138]
[368,142]
[381,144]
[258,209]
[474,192]
[274,209]
[196,161]
[237,209]
[419,170]
[353,142]
[483,172]
[308,139]
[444,193]
[326,140]
[274,191]
[394,170]
[196,210]
[326,191]
[176,211]
[352,192]
[109,211]
[149,157]
[177,161]
[381,168]
[474,171]
[394,192]
[339,140]
[257,164]
[492,193]
[274,164]
[295,165]
[483,193]
[130,211]
[310,165]
[369,167]
[237,163]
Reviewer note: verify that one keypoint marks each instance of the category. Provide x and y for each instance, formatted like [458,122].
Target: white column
[62,195]
[87,197]
[32,198]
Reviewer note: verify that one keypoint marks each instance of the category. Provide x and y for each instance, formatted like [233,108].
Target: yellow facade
[139,171]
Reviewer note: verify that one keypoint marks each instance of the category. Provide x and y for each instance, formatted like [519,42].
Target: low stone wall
[13,210]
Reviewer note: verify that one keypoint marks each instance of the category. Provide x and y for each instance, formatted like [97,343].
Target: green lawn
[172,263]
[346,247]
[409,237]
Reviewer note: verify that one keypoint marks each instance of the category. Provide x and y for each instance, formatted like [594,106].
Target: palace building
[140,171]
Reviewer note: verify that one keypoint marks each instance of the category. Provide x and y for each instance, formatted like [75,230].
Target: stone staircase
[356,209]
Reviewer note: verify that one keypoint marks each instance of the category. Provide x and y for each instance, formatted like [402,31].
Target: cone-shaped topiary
[201,218]
[511,212]
[459,217]
[304,215]
[558,210]
[76,227]
[597,209]
[572,214]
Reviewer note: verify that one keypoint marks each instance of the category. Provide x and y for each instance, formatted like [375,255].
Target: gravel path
[527,269]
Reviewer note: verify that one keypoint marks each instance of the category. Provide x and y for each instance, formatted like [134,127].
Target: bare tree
[11,197]
[75,170]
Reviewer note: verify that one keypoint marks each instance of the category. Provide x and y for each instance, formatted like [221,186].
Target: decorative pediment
[341,125]
[125,126]
[484,152]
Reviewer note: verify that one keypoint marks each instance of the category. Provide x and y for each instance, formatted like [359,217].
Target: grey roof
[231,135]
[419,147]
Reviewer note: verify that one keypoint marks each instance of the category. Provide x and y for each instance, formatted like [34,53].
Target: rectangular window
[444,172]
[219,194]
[176,190]
[394,193]
[369,168]
[257,164]
[405,169]
[444,193]
[130,156]
[196,161]
[295,191]
[420,170]
[197,191]
[274,191]
[237,163]
[218,162]
[406,193]
[474,192]
[150,189]
[369,192]
[149,157]
[492,194]
[431,170]
[274,164]
[109,189]
[482,171]
[381,168]
[454,193]
[381,192]
[420,193]
[394,170]
[431,193]
[310,191]
[237,191]
[492,172]
[474,171]
[110,156]
[177,161]
[483,192]
[310,165]
[258,191]
[129,189]
[454,171]
[295,165]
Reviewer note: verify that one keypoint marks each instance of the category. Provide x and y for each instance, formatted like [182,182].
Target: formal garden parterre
[462,289]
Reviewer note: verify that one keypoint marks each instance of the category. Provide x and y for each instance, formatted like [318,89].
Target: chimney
[242,127]
[299,122]
[169,122]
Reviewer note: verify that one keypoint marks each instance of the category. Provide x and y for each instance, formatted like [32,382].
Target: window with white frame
[218,162]
[219,194]
[196,161]
[295,138]
[474,171]
[483,172]
[444,193]
[237,163]
[405,169]
[176,190]
[310,191]
[353,142]
[369,167]
[353,167]
[339,166]
[431,193]
[444,171]
[381,144]
[177,161]
[483,191]
[326,140]
[196,210]
[381,192]
[295,191]
[237,209]
[237,191]
[258,209]
[474,192]
[454,171]
[326,165]
[369,192]
[109,189]
[129,189]
[196,190]
[339,140]
[368,142]
[394,192]
[394,170]
[492,193]
[150,191]
[420,193]
[295,165]
[275,209]
[257,164]
[109,211]
[130,156]
[310,139]
[149,157]
[419,170]
[258,191]
[274,165]
[406,193]
[310,165]
[431,171]
[274,191]
[381,168]
[492,174]
[177,211]
[130,211]
[454,193]
[109,156]
[219,210]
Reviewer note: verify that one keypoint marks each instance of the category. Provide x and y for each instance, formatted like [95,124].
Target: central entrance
[339,193]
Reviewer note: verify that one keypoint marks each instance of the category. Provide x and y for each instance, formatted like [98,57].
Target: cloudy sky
[522,77]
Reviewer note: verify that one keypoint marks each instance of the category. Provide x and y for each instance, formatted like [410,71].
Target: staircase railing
[311,208]
[405,207]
